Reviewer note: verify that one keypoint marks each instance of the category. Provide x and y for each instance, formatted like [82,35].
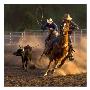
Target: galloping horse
[25,54]
[60,49]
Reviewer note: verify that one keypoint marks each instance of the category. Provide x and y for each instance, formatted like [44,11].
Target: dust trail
[37,44]
[79,65]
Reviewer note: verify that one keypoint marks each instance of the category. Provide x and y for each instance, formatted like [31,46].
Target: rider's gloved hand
[50,28]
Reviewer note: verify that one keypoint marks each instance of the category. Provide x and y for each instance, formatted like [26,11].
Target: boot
[71,58]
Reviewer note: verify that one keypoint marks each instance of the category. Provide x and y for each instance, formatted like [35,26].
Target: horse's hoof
[22,67]
[56,67]
[71,58]
[32,67]
[52,71]
[25,69]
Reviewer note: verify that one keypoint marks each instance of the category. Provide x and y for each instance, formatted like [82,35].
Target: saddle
[50,43]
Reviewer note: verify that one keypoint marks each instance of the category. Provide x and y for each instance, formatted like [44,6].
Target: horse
[60,49]
[26,55]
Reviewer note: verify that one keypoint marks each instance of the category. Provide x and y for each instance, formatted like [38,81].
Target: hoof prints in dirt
[15,76]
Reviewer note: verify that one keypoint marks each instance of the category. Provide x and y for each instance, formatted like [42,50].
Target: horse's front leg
[47,68]
[26,64]
[62,62]
[62,59]
[56,61]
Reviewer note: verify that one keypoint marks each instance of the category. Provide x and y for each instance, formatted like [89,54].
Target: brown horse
[59,52]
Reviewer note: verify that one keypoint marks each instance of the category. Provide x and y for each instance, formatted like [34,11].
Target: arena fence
[11,38]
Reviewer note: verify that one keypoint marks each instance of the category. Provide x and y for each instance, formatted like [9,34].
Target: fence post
[22,36]
[10,39]
[80,38]
[81,33]
[74,39]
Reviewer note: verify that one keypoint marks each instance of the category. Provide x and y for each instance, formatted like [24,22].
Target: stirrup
[45,74]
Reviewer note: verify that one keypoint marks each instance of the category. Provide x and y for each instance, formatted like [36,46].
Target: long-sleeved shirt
[50,26]
[72,26]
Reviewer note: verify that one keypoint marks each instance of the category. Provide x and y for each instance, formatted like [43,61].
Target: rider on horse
[51,26]
[53,31]
[72,27]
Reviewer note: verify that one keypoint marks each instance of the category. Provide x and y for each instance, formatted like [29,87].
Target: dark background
[20,17]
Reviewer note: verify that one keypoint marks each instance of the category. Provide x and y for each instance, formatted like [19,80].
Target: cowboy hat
[49,20]
[67,17]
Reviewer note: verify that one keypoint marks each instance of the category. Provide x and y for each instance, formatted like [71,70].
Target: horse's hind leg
[48,68]
[62,62]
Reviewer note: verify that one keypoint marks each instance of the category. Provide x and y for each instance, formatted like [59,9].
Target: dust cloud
[79,65]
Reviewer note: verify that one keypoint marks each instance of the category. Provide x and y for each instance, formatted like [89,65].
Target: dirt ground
[15,76]
[70,74]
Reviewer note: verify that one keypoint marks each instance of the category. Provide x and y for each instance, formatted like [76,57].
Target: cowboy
[72,26]
[51,26]
[53,32]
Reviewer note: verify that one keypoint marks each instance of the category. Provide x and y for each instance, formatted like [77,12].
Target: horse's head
[66,27]
[19,52]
